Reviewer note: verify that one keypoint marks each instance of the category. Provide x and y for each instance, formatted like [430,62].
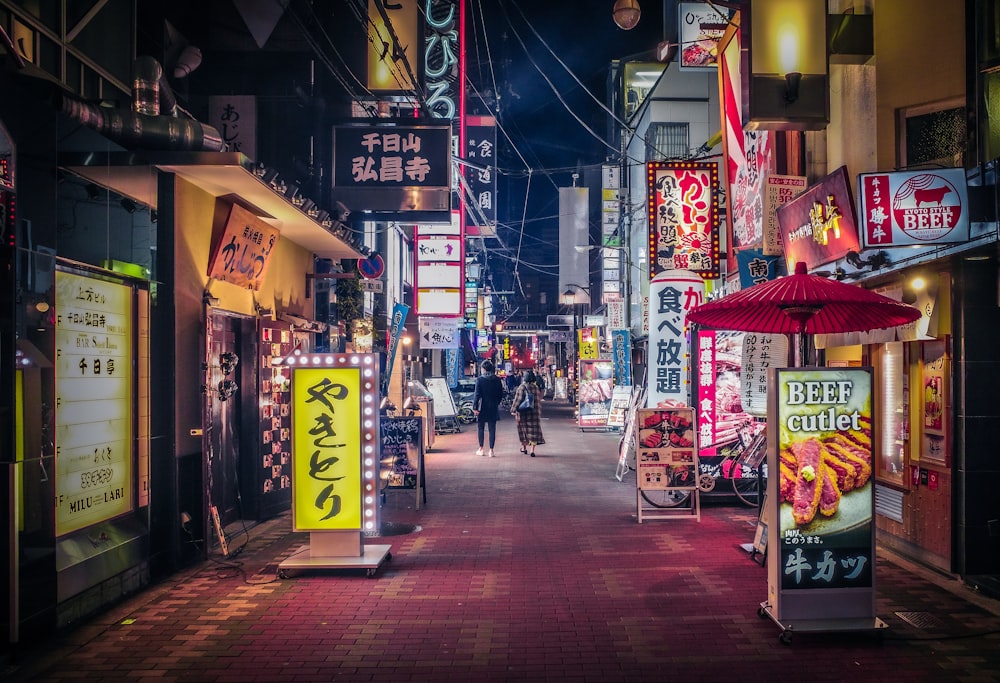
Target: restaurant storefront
[148,300]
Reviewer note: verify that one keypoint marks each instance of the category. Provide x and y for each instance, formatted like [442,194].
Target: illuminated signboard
[242,253]
[385,69]
[915,207]
[683,217]
[820,432]
[334,429]
[389,167]
[94,387]
[701,26]
[819,226]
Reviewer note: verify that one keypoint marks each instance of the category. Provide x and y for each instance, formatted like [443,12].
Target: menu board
[402,459]
[94,387]
[275,473]
[667,451]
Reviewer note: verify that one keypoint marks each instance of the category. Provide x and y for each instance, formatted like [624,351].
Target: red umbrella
[803,303]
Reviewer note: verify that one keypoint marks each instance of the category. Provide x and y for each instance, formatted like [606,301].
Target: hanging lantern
[761,352]
[626,14]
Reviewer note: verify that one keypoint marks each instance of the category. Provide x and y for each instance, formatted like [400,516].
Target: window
[933,135]
[893,407]
[667,141]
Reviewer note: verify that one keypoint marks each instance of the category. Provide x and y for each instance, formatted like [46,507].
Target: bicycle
[739,467]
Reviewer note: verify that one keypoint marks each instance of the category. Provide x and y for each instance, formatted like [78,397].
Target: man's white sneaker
[479,451]
[491,453]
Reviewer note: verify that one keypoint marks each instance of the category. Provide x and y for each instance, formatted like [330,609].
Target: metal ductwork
[134,130]
[151,93]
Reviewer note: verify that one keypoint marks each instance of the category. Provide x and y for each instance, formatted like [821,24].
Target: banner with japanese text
[672,294]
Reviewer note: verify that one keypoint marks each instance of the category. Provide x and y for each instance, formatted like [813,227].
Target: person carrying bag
[527,411]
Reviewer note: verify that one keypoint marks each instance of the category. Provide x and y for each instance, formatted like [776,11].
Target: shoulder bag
[527,403]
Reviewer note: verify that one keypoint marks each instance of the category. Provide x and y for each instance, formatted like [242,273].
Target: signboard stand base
[690,510]
[820,625]
[336,550]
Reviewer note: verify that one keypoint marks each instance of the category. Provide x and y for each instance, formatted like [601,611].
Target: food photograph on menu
[824,452]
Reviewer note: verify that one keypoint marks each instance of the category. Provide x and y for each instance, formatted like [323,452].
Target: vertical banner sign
[621,355]
[480,176]
[587,343]
[706,387]
[453,366]
[723,421]
[326,449]
[94,386]
[683,202]
[399,312]
[820,436]
[672,294]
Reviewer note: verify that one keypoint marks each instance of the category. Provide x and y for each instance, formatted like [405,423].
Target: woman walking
[486,405]
[529,422]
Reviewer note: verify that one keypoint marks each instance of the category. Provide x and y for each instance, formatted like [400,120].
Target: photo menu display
[94,386]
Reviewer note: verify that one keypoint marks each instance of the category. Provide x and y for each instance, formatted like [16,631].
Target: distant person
[513,379]
[529,422]
[486,405]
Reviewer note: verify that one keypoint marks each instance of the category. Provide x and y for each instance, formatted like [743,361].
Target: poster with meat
[666,449]
[820,445]
[724,426]
[594,393]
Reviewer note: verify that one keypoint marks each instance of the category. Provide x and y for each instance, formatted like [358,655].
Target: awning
[132,174]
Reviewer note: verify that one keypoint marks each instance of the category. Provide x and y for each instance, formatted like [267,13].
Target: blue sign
[622,356]
[399,312]
[452,367]
[754,267]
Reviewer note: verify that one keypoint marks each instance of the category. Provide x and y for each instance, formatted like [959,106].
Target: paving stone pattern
[518,569]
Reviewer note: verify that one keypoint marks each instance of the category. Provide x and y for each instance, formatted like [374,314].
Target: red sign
[819,226]
[915,207]
[683,217]
[241,254]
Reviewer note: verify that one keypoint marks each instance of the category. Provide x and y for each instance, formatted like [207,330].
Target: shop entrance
[230,374]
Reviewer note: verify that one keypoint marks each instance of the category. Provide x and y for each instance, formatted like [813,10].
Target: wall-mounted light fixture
[129,205]
[786,64]
[792,81]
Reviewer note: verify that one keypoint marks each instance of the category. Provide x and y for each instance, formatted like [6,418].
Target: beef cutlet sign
[824,492]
